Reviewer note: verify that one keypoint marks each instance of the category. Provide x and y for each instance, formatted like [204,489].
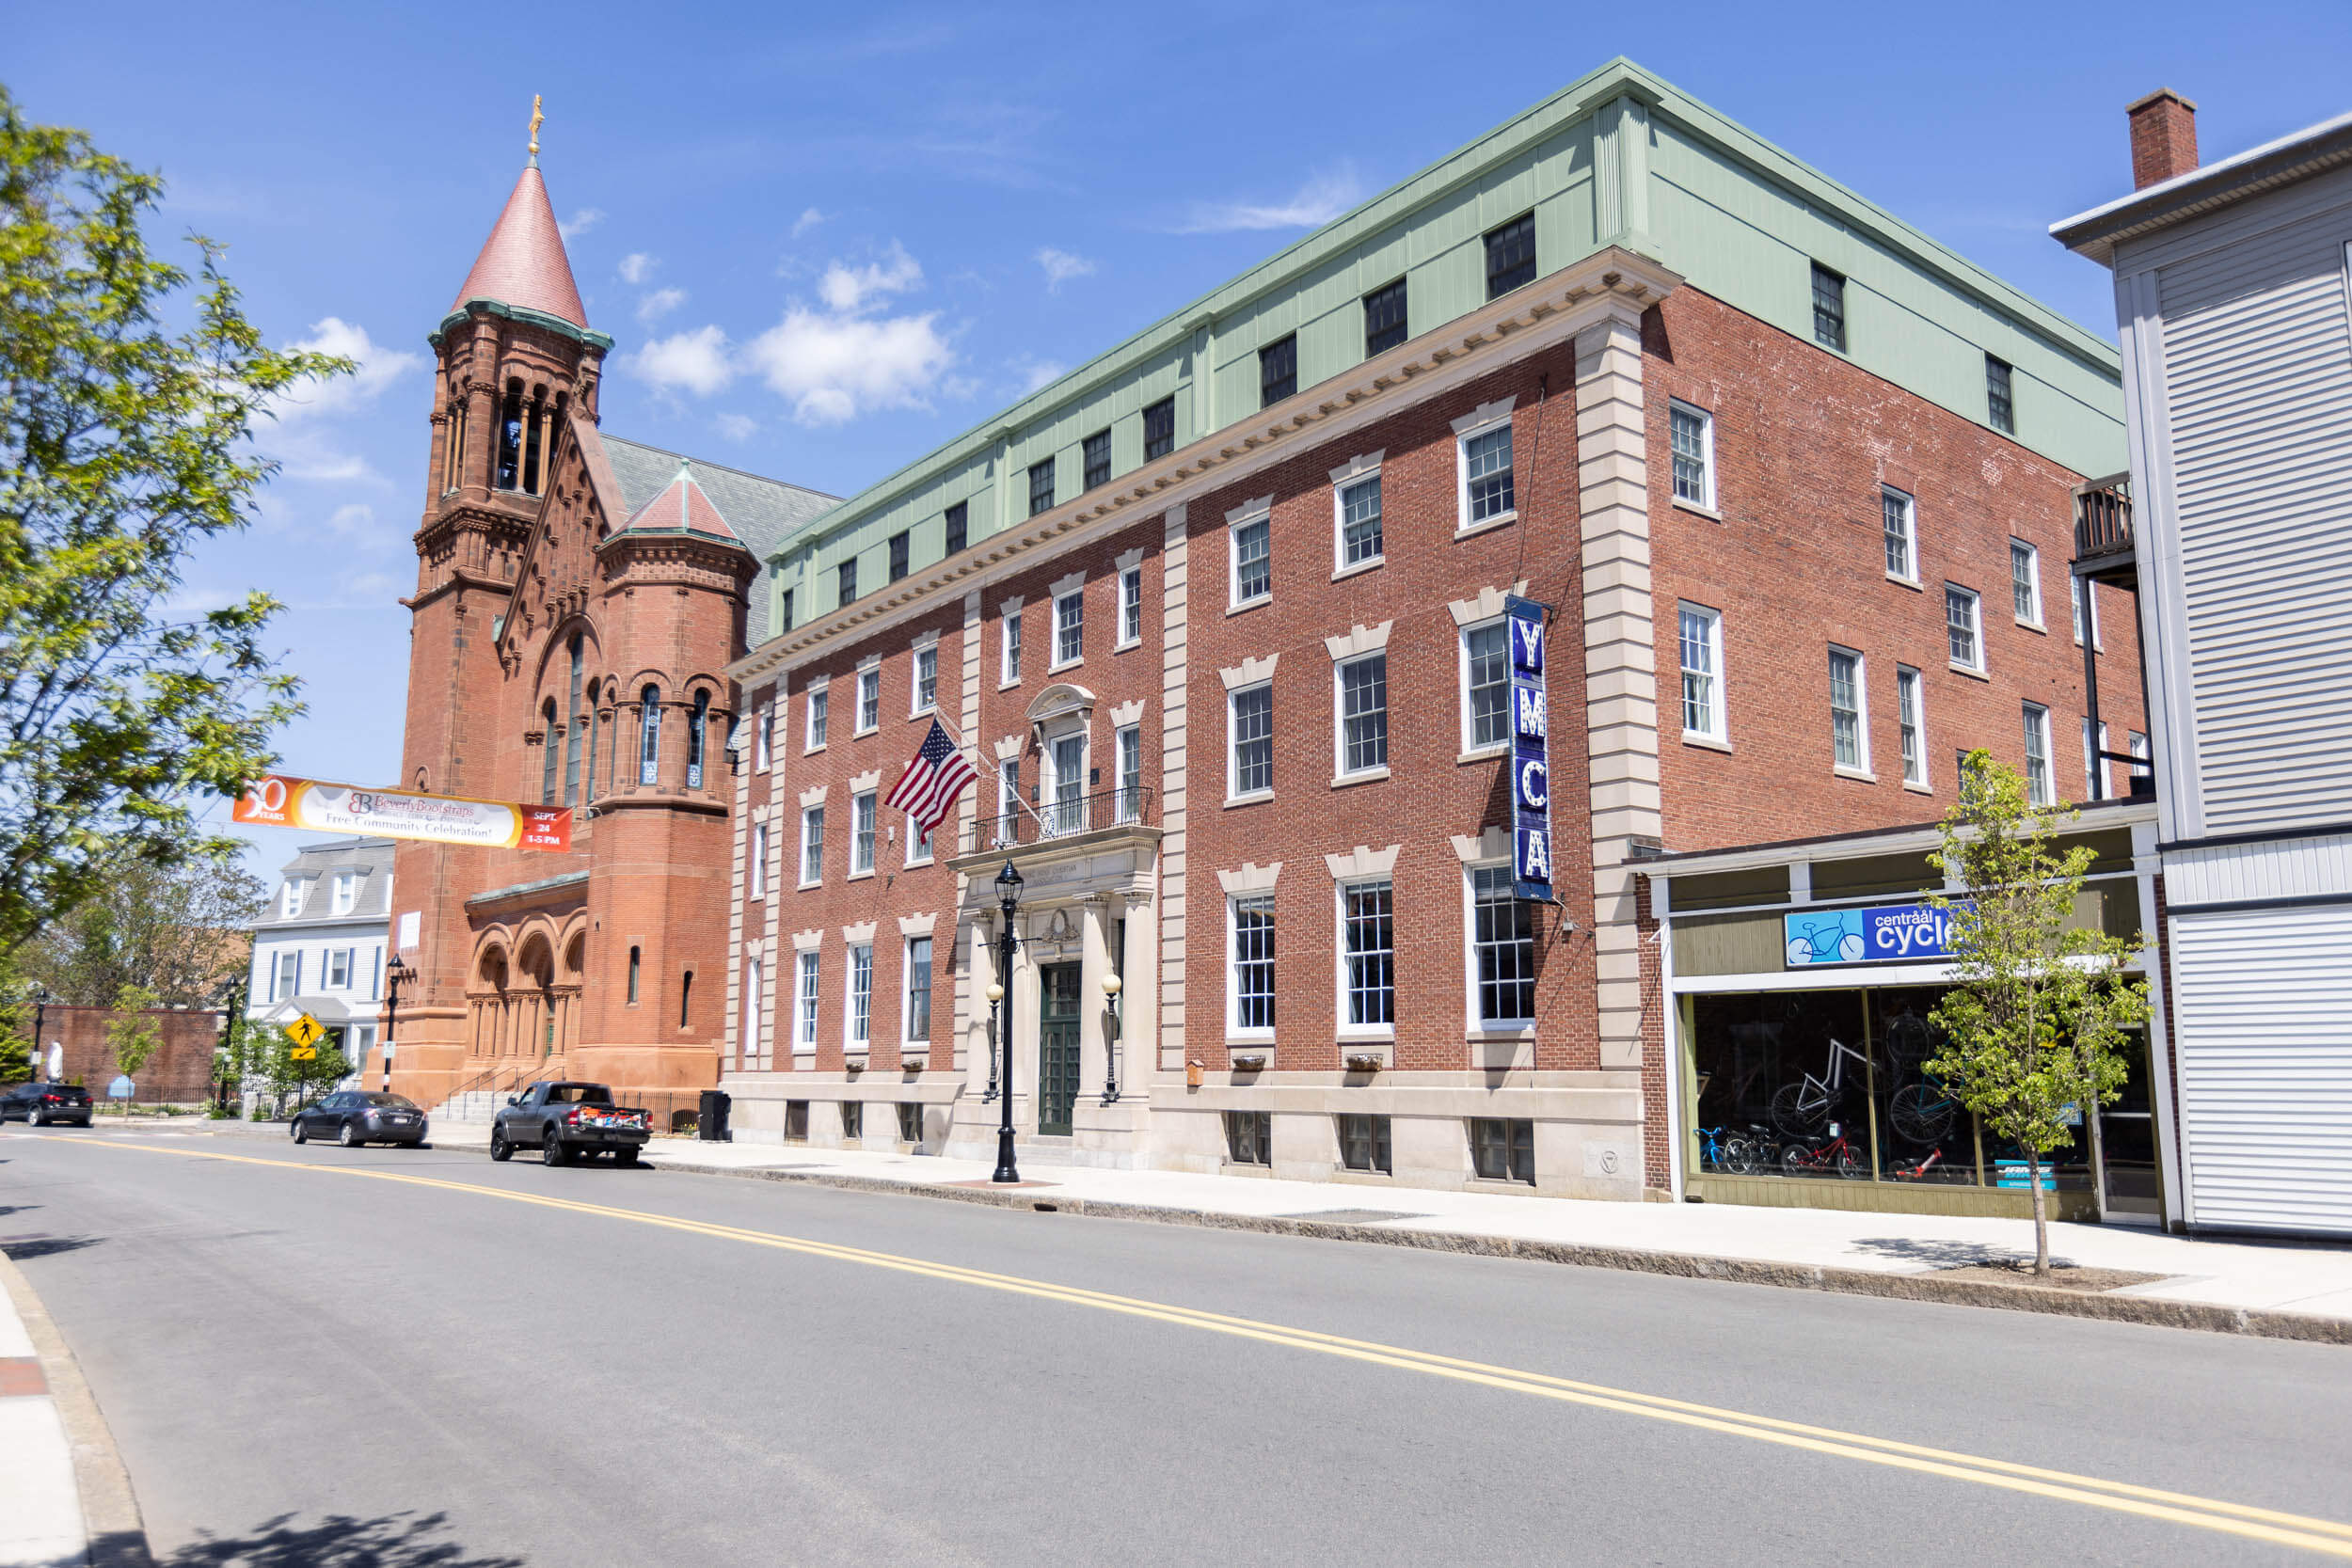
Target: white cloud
[810,217]
[1317,202]
[848,289]
[352,521]
[378,368]
[1061,266]
[1038,372]
[580,222]
[737,427]
[833,368]
[697,361]
[637,267]
[660,303]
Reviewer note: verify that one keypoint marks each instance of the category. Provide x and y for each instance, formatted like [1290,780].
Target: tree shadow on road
[338,1541]
[18,1248]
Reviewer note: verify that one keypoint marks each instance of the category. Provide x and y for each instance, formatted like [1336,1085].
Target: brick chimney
[2164,138]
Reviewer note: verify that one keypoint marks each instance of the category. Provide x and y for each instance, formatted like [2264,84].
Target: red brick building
[1218,617]
[579,599]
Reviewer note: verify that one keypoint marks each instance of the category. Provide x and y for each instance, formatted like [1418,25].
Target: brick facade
[179,1073]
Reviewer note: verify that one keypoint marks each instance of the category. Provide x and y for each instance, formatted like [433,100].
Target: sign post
[1531,752]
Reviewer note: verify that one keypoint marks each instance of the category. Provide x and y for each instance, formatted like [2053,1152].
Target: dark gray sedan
[354,1116]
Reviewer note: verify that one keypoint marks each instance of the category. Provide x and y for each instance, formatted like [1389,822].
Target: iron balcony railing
[1013,825]
[2103,517]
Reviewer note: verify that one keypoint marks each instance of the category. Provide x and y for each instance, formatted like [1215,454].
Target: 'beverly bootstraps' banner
[1530,757]
[275,801]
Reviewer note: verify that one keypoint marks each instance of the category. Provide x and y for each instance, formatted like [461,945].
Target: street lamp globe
[1110,985]
[995,993]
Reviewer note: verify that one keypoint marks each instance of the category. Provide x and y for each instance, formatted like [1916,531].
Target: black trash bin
[713,1122]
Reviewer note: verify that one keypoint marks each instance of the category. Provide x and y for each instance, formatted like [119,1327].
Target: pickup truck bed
[569,1121]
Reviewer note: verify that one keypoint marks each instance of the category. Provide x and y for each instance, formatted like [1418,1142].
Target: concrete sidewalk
[2233,1285]
[41,1504]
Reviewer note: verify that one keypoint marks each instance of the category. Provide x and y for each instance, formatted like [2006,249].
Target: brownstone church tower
[579,598]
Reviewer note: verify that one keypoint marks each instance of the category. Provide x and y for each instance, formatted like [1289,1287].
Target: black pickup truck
[565,1120]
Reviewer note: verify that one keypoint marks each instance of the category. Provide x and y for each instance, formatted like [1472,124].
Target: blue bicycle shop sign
[1886,933]
[1530,758]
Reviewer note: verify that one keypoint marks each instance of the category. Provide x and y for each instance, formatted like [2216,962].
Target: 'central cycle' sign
[1886,933]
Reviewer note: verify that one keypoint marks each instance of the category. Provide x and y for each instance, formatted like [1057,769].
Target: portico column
[1093,963]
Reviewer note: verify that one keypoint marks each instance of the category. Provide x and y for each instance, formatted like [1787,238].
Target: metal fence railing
[1042,822]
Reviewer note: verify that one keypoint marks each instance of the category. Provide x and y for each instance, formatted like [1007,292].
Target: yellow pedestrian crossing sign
[305,1032]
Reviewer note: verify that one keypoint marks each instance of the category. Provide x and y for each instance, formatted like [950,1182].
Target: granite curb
[2153,1312]
[110,1510]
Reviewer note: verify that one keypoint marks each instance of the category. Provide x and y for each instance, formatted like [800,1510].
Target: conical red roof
[681,505]
[522,263]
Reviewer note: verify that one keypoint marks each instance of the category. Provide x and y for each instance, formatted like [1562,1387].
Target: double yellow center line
[2270,1526]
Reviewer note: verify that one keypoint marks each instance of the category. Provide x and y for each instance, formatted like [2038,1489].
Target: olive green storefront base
[1888,1197]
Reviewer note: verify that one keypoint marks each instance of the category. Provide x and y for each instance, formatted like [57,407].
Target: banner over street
[277,800]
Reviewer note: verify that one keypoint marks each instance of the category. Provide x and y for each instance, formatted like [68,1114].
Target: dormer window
[289,900]
[346,892]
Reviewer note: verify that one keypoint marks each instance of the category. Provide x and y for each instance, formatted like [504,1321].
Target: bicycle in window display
[1734,1154]
[1839,1154]
[1799,1109]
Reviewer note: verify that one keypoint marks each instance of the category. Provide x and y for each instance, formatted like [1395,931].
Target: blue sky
[827,241]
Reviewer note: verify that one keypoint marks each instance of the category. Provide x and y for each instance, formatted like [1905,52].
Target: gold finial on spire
[536,119]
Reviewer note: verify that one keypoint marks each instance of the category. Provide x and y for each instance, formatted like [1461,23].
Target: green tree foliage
[131,1035]
[129,389]
[2032,1029]
[16,1031]
[179,930]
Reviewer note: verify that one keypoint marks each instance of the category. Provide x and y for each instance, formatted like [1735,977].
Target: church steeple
[522,264]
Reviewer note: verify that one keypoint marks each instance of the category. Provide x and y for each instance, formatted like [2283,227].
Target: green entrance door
[1057,1048]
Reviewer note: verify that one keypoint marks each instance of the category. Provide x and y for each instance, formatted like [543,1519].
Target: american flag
[927,790]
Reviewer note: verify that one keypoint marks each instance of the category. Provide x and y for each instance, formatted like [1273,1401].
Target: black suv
[42,1104]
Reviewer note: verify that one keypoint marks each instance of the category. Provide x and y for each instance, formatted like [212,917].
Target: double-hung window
[756,871]
[1131,606]
[338,969]
[289,900]
[1702,636]
[2096,785]
[2086,609]
[1368,956]
[820,699]
[1999,403]
[1253,965]
[1127,805]
[900,553]
[762,728]
[1095,454]
[1829,308]
[1253,740]
[1963,627]
[1911,719]
[750,1043]
[812,846]
[1070,629]
[2025,582]
[1010,643]
[861,832]
[1253,564]
[1693,432]
[1899,519]
[805,1002]
[1364,715]
[346,892]
[1850,729]
[1486,686]
[2038,754]
[958,521]
[1040,487]
[1159,429]
[861,1016]
[1359,504]
[1502,950]
[927,678]
[918,998]
[1009,799]
[1384,319]
[1277,371]
[846,576]
[1511,256]
[868,697]
[1486,462]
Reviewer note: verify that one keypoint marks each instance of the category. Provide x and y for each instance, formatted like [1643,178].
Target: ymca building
[1417,688]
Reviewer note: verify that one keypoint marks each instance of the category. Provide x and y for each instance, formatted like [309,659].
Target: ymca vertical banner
[1531,753]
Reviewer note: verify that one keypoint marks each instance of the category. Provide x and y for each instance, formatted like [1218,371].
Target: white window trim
[1340,886]
[809,743]
[916,841]
[751,1046]
[1703,504]
[1233,795]
[1461,663]
[800,850]
[1862,717]
[763,740]
[755,870]
[1720,734]
[1119,776]
[2037,723]
[849,1042]
[808,963]
[1234,1033]
[1008,615]
[1340,666]
[906,989]
[1258,511]
[916,706]
[1346,475]
[2095,765]
[1920,722]
[1911,534]
[1473,1026]
[1470,425]
[2091,613]
[869,669]
[873,859]
[1976,601]
[2033,581]
[1054,662]
[1130,574]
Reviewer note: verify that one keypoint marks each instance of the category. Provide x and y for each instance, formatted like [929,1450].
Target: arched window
[695,740]
[635,957]
[510,465]
[595,733]
[649,749]
[534,442]
[571,731]
[547,759]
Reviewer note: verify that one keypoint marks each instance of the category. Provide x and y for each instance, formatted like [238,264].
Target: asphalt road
[308,1367]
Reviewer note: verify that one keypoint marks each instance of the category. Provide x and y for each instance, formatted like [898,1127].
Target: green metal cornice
[600,342]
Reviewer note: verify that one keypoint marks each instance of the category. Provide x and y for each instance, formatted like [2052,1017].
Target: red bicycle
[1839,1154]
[1918,1172]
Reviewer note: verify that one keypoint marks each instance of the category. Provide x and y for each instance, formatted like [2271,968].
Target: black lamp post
[395,975]
[1111,986]
[1008,904]
[40,1018]
[996,995]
